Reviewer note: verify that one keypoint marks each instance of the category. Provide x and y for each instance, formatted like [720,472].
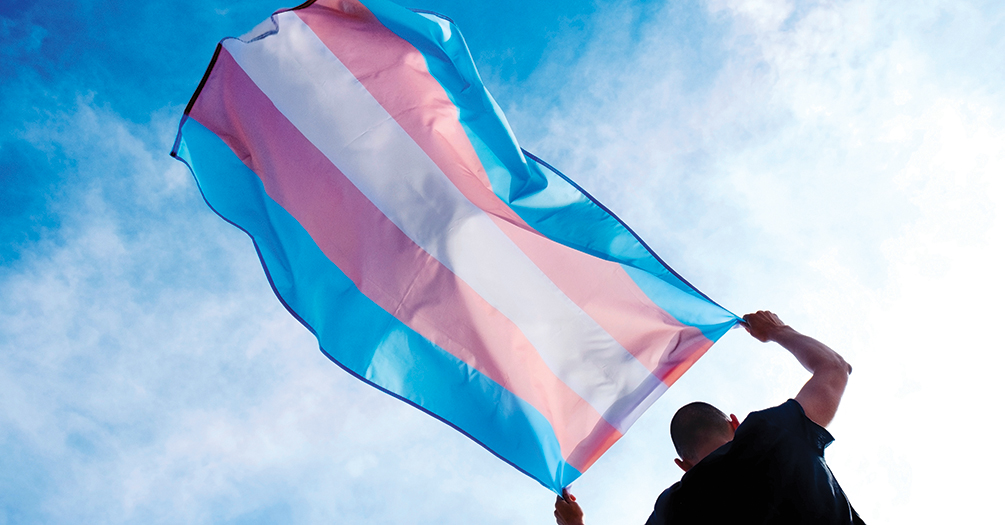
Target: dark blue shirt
[773,472]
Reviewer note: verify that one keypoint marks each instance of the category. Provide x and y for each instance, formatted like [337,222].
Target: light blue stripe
[357,334]
[542,197]
[688,308]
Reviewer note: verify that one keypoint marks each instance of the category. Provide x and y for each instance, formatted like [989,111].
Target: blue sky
[841,163]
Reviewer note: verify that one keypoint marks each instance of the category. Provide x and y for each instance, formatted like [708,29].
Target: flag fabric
[397,218]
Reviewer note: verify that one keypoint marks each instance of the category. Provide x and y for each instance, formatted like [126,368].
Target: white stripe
[323,99]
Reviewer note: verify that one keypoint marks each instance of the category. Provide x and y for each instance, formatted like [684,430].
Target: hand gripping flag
[397,219]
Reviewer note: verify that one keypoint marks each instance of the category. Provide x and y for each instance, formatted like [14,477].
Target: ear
[733,422]
[684,464]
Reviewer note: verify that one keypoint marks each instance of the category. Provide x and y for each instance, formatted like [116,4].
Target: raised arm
[821,395]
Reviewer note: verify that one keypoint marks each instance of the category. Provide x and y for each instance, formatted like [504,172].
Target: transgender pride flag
[397,218]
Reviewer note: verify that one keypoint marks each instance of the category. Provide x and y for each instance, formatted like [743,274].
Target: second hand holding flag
[397,218]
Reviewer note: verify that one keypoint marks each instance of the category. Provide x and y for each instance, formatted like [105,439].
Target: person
[768,470]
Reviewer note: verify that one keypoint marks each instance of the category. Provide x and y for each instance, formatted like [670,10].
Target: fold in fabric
[397,218]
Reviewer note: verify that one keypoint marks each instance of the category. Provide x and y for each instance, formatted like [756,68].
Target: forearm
[812,354]
[821,395]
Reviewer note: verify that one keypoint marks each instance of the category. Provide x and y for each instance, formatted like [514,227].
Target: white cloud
[764,16]
[149,374]
[843,168]
[838,162]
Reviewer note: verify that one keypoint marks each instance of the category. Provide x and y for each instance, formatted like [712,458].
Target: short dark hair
[694,424]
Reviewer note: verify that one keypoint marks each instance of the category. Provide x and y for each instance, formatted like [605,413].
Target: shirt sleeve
[817,436]
[785,423]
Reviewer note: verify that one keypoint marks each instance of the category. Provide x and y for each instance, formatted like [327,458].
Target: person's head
[697,429]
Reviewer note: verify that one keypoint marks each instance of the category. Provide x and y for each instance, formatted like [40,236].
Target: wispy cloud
[839,162]
[843,166]
[150,375]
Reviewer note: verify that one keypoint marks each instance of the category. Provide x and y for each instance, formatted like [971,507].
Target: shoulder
[662,511]
[789,411]
[787,421]
[687,501]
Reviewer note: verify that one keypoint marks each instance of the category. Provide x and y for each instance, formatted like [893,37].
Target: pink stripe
[395,73]
[385,264]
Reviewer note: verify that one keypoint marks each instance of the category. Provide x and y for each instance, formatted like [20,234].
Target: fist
[567,511]
[763,325]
